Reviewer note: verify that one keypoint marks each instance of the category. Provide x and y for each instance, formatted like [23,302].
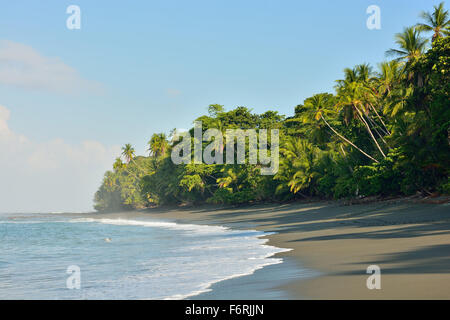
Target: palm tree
[233,178]
[297,167]
[229,178]
[128,152]
[398,100]
[356,99]
[320,105]
[118,164]
[394,95]
[387,84]
[437,22]
[411,45]
[364,79]
[158,145]
[364,73]
[389,76]
[360,73]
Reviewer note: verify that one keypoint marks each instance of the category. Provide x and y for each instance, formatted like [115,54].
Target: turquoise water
[144,259]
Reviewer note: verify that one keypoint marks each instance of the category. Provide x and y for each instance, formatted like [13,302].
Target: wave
[207,286]
[204,229]
[235,240]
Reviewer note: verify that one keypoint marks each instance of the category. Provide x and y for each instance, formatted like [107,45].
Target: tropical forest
[383,132]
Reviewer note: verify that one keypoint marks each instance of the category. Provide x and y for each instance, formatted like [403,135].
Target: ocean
[55,256]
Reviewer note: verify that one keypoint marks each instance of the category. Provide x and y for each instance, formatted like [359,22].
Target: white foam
[247,252]
[207,229]
[206,287]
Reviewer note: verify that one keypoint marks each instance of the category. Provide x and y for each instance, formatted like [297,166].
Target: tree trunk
[361,116]
[375,125]
[348,141]
[379,117]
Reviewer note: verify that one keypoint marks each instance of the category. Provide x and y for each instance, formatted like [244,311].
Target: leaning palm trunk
[361,116]
[379,117]
[132,173]
[375,125]
[348,141]
[343,151]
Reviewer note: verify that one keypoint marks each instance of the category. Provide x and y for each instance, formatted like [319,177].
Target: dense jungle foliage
[384,131]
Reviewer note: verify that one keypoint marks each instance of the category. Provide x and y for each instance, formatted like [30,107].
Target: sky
[70,98]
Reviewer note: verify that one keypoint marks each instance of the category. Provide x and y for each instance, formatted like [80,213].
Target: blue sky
[157,65]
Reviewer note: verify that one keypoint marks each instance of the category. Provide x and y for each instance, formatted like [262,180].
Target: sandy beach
[409,241]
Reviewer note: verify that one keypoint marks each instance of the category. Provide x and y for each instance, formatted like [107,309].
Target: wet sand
[409,241]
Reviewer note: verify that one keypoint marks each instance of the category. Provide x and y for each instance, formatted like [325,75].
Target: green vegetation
[384,132]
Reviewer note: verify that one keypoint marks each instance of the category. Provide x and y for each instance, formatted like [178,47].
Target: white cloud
[49,176]
[22,66]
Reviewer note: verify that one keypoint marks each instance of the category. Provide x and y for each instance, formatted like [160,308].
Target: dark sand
[409,241]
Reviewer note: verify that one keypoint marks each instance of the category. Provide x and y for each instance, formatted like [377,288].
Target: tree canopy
[384,131]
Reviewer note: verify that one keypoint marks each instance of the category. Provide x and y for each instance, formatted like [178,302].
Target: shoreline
[215,288]
[410,242]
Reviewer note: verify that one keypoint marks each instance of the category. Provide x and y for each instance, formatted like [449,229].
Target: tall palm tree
[398,100]
[320,105]
[128,152]
[158,145]
[363,77]
[387,84]
[355,98]
[389,76]
[360,73]
[438,22]
[364,73]
[394,94]
[411,45]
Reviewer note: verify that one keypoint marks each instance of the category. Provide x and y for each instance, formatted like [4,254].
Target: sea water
[121,258]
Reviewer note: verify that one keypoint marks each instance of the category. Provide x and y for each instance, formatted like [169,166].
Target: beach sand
[409,241]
